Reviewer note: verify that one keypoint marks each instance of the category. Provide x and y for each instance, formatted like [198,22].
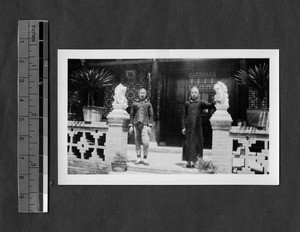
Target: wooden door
[176,96]
[177,93]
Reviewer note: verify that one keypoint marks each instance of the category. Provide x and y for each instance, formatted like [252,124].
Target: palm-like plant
[91,80]
[256,78]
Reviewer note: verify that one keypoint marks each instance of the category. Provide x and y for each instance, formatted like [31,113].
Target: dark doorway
[176,95]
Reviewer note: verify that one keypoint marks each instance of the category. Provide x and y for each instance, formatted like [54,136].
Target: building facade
[168,83]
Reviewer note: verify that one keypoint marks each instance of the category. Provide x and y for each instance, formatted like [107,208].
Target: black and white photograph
[149,116]
[168,117]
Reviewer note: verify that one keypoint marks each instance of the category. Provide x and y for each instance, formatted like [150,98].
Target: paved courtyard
[161,160]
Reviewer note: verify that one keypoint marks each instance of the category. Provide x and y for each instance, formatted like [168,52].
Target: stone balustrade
[100,140]
[250,150]
[87,140]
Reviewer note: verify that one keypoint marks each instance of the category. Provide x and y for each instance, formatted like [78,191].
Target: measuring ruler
[33,116]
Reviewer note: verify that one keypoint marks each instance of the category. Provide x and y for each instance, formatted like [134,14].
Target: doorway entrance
[176,94]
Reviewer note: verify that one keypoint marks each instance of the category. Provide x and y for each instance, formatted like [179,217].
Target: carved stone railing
[87,140]
[250,150]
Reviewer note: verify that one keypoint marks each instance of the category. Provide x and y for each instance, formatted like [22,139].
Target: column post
[221,124]
[118,121]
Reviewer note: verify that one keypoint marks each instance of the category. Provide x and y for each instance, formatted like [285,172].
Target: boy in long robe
[192,127]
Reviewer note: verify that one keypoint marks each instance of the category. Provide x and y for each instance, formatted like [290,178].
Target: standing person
[141,119]
[192,127]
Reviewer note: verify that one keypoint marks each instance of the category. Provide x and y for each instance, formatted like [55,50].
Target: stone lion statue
[119,98]
[221,96]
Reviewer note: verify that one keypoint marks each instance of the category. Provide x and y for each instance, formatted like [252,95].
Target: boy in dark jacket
[141,121]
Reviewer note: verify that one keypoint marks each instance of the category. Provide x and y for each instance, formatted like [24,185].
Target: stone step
[153,147]
[159,170]
[161,162]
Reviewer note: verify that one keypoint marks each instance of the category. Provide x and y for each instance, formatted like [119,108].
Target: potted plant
[207,166]
[256,79]
[91,81]
[119,163]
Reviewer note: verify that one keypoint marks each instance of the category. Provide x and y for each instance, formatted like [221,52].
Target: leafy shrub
[119,159]
[207,166]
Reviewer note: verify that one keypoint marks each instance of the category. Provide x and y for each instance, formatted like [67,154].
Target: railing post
[221,123]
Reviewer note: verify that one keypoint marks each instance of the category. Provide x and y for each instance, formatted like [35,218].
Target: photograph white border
[168,179]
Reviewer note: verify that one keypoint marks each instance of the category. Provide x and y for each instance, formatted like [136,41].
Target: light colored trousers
[141,136]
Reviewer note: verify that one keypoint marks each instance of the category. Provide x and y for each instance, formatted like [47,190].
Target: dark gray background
[154,24]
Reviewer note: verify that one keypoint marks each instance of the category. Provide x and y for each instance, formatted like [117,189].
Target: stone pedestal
[116,139]
[221,145]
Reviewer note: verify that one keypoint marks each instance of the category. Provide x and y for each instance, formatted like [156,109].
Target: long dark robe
[192,122]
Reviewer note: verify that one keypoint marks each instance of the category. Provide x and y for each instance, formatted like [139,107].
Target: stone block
[117,134]
[221,144]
